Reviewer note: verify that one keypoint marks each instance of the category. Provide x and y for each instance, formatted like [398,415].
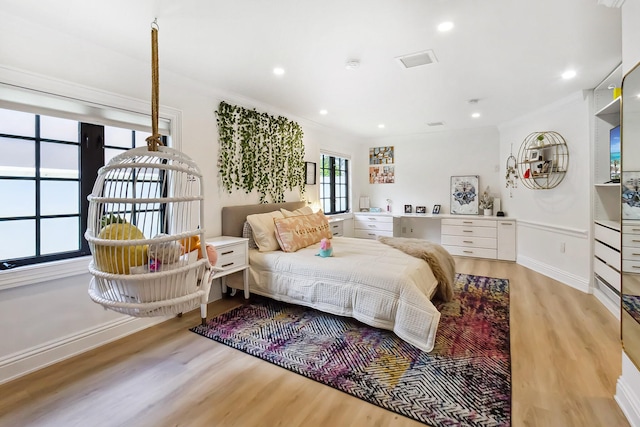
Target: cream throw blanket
[441,262]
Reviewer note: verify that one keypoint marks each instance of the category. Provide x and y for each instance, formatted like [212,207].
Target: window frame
[47,96]
[332,182]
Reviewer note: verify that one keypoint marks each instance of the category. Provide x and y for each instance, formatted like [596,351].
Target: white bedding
[365,279]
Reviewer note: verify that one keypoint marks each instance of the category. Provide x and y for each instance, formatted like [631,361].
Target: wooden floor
[565,349]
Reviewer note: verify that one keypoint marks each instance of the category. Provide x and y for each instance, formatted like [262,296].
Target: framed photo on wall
[464,195]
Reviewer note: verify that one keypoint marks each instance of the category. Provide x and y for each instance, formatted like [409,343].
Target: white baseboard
[628,401]
[569,279]
[24,362]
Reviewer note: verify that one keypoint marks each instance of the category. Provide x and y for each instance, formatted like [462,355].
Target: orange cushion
[300,231]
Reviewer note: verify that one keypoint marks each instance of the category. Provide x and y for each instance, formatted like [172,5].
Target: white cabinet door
[507,240]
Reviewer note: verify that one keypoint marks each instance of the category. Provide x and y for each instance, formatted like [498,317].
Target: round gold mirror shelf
[543,160]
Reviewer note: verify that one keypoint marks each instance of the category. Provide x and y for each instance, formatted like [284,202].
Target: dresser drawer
[608,274]
[458,230]
[630,227]
[470,241]
[629,266]
[373,218]
[630,253]
[608,255]
[631,240]
[472,252]
[375,226]
[469,222]
[609,236]
[371,234]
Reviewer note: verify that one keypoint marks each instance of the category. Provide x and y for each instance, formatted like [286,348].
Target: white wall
[49,320]
[549,218]
[424,165]
[628,389]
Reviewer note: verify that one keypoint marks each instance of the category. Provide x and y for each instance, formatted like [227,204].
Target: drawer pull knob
[635,266]
[506,223]
[372,226]
[371,234]
[468,252]
[227,253]
[372,219]
[227,265]
[634,254]
[635,229]
[467,222]
[635,241]
[467,241]
[467,231]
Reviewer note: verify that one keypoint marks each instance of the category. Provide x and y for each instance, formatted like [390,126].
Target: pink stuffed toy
[325,248]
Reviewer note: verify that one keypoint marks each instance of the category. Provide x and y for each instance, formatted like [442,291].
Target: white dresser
[367,225]
[493,237]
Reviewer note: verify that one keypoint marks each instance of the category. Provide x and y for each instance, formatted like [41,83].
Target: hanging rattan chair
[143,229]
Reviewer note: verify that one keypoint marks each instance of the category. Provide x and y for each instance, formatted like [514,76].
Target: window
[47,170]
[334,184]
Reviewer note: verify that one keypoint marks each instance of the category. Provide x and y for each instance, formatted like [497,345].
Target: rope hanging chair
[143,229]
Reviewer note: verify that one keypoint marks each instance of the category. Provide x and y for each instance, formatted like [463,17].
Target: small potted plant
[486,202]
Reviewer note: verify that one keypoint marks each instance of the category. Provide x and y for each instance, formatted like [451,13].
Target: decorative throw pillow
[264,231]
[306,210]
[300,231]
[247,232]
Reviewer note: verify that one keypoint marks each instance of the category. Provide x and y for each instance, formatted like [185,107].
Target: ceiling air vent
[417,59]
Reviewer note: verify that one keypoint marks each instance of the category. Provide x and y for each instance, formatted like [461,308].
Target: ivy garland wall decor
[259,151]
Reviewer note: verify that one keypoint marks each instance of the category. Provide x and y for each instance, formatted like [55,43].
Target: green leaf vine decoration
[259,152]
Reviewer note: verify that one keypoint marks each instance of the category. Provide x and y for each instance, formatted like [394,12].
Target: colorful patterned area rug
[464,381]
[631,303]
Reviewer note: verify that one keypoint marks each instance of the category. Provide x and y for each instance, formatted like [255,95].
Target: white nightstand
[233,256]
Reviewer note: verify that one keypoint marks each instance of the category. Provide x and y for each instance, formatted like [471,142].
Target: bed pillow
[264,230]
[247,232]
[306,210]
[300,231]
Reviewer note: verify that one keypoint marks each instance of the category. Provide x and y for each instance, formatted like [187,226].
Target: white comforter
[365,279]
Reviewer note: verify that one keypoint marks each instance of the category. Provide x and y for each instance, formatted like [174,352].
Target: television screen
[614,153]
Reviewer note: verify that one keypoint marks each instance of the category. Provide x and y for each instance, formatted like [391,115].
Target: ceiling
[507,54]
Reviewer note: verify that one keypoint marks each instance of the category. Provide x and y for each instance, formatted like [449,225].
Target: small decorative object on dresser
[408,209]
[436,209]
[486,202]
[421,209]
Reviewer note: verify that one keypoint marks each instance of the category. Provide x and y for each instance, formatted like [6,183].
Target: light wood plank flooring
[565,349]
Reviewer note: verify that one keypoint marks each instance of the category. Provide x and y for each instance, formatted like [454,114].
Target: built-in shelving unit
[606,241]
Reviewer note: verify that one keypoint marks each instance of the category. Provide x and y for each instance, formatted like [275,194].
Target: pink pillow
[300,231]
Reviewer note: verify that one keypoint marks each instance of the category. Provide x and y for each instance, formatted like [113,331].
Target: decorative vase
[488,212]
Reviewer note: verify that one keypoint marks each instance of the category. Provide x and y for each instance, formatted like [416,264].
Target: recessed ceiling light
[475,115]
[278,71]
[381,126]
[445,26]
[323,112]
[352,64]
[569,74]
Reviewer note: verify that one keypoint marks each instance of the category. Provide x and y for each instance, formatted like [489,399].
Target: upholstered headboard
[233,217]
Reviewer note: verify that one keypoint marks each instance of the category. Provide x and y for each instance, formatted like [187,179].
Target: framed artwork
[533,155]
[408,209]
[310,173]
[464,195]
[381,175]
[436,209]
[421,209]
[381,156]
[630,183]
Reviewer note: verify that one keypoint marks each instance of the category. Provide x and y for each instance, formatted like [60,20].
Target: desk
[478,236]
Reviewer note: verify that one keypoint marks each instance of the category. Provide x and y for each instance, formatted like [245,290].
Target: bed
[370,281]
